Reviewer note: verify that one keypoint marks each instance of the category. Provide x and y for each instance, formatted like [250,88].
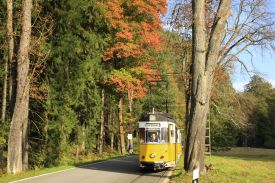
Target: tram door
[171,141]
[171,134]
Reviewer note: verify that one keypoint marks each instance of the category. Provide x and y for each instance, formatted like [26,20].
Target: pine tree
[74,71]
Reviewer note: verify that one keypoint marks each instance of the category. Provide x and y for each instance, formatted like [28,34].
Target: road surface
[121,170]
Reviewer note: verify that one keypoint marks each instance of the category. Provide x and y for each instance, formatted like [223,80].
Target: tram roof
[157,116]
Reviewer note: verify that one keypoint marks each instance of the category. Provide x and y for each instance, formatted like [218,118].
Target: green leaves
[244,119]
[74,73]
[258,86]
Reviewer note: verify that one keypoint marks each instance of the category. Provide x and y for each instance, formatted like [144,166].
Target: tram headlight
[152,156]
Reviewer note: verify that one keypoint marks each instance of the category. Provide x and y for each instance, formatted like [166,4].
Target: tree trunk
[3,110]
[101,122]
[10,38]
[112,143]
[130,99]
[130,107]
[121,129]
[1,158]
[45,131]
[83,139]
[25,144]
[21,110]
[77,152]
[12,85]
[195,127]
[111,129]
[4,98]
[204,58]
[11,62]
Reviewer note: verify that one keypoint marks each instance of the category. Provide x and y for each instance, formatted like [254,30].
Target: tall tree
[73,76]
[3,76]
[10,41]
[270,141]
[262,123]
[204,59]
[251,25]
[11,60]
[4,94]
[17,149]
[101,122]
[134,28]
[121,128]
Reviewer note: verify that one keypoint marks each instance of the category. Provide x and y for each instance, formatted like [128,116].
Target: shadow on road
[125,165]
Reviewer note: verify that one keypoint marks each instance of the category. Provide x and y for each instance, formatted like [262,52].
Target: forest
[76,75]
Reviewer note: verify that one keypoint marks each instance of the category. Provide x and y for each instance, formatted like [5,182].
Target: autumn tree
[134,27]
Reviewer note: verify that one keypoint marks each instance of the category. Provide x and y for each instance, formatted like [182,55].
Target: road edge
[167,176]
[80,166]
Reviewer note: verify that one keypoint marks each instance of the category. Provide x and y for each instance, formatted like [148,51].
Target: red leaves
[134,80]
[135,25]
[220,75]
[122,50]
[124,35]
[149,74]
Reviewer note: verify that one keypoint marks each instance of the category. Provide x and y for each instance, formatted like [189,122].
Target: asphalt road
[122,170]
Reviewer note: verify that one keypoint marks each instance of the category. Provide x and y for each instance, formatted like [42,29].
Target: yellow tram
[159,141]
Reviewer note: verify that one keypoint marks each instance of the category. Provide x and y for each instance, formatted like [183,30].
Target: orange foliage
[150,75]
[124,82]
[134,80]
[220,75]
[135,25]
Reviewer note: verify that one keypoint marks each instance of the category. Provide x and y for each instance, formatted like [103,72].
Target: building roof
[157,116]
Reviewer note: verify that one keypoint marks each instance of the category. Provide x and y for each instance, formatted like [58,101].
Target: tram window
[164,135]
[142,135]
[153,136]
[172,133]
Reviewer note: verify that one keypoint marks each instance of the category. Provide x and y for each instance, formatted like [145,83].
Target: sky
[261,62]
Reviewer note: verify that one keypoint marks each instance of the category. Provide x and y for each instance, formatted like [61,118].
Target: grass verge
[30,173]
[232,169]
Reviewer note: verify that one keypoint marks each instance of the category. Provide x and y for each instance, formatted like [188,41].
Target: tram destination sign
[152,125]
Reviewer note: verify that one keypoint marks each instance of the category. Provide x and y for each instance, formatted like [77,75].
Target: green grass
[232,169]
[31,173]
[9,177]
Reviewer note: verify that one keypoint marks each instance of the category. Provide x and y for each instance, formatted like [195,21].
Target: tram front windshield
[152,136]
